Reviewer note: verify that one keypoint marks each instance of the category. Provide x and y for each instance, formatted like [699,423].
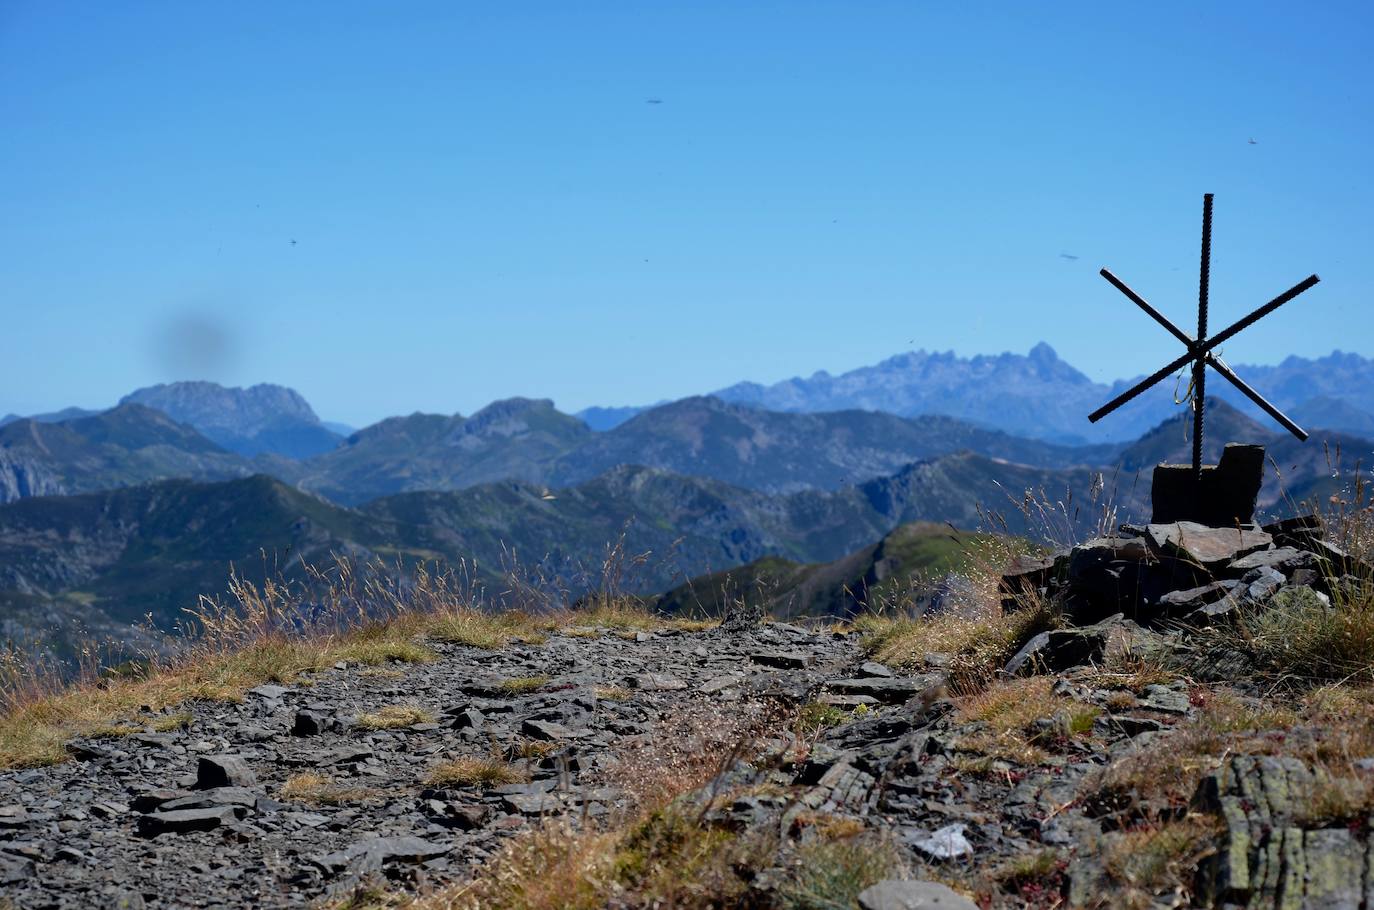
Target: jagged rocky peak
[211,406]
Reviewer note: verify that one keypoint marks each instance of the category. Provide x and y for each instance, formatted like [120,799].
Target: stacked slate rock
[1184,573]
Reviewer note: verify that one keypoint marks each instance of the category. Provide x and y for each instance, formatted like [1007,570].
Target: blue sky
[485,204]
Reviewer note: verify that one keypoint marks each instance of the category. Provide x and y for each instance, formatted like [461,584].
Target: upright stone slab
[1223,498]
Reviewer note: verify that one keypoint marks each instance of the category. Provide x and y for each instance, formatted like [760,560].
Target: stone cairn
[1201,562]
[1201,558]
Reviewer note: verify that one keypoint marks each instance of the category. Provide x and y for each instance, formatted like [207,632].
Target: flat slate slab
[890,690]
[1208,547]
[180,821]
[895,894]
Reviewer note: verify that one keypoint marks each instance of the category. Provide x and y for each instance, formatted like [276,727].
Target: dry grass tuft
[627,614]
[979,639]
[1297,638]
[554,868]
[1122,670]
[172,722]
[828,826]
[1021,719]
[489,631]
[530,748]
[1148,861]
[522,685]
[832,873]
[317,789]
[614,693]
[474,772]
[394,716]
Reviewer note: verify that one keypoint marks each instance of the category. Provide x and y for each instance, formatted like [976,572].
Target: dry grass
[170,722]
[659,852]
[614,693]
[489,631]
[1009,714]
[1121,670]
[1157,782]
[621,613]
[36,725]
[554,868]
[828,826]
[831,873]
[1298,639]
[979,639]
[531,748]
[1156,859]
[370,616]
[522,685]
[318,789]
[474,772]
[391,717]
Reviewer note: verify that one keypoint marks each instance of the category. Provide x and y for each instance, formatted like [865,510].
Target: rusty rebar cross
[1200,348]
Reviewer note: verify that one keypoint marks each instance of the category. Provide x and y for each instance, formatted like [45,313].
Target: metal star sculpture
[1200,348]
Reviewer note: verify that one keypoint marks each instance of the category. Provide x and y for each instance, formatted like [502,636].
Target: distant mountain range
[1042,397]
[731,486]
[107,560]
[518,439]
[1034,396]
[528,440]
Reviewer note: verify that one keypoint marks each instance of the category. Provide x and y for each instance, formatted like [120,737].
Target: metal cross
[1200,349]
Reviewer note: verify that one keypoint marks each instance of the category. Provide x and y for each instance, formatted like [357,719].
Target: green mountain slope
[152,549]
[780,452]
[911,558]
[127,445]
[516,439]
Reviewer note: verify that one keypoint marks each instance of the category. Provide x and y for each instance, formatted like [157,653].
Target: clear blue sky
[485,204]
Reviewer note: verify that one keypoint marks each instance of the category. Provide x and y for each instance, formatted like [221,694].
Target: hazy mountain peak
[261,418]
[209,405]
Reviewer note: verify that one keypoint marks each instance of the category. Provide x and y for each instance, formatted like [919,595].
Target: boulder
[309,723]
[1266,856]
[1258,585]
[224,771]
[546,730]
[1024,577]
[1282,559]
[1106,575]
[371,853]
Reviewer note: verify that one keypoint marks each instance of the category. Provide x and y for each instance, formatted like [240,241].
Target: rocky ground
[297,795]
[194,816]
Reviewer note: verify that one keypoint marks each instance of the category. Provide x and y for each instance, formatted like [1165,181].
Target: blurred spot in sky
[195,344]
